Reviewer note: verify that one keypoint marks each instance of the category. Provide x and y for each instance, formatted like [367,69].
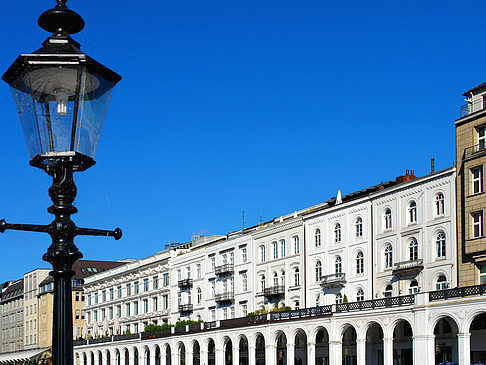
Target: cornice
[278,227]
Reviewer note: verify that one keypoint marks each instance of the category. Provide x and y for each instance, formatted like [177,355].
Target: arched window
[388,256]
[387,217]
[282,248]
[262,283]
[275,279]
[441,283]
[275,250]
[440,242]
[296,245]
[412,212]
[359,263]
[318,299]
[360,295]
[337,232]
[262,253]
[439,204]
[339,298]
[413,288]
[359,227]
[317,237]
[296,276]
[388,291]
[413,249]
[318,271]
[338,265]
[199,295]
[282,278]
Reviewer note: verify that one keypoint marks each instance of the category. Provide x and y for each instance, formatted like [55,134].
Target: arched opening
[260,350]
[281,349]
[228,353]
[403,343]
[300,349]
[100,357]
[125,351]
[108,357]
[445,332]
[322,347]
[135,356]
[243,358]
[92,358]
[196,354]
[211,352]
[117,357]
[146,356]
[349,346]
[181,354]
[478,339]
[85,358]
[168,355]
[374,345]
[157,355]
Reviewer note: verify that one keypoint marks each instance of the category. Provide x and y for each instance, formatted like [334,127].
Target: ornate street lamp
[62,96]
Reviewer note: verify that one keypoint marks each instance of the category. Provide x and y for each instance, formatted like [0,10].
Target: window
[213,263]
[360,295]
[296,245]
[145,305]
[439,205]
[77,314]
[213,289]
[413,249]
[275,250]
[282,278]
[388,291]
[244,310]
[440,242]
[232,258]
[110,313]
[317,237]
[225,313]
[165,279]
[225,259]
[413,288]
[339,298]
[275,279]
[244,282]
[359,263]
[136,287]
[282,248]
[179,275]
[477,224]
[359,227]
[482,274]
[112,293]
[127,309]
[262,253]
[145,285]
[199,296]
[388,256]
[318,271]
[135,308]
[155,282]
[441,283]
[179,299]
[95,299]
[244,254]
[213,314]
[337,233]
[477,180]
[296,304]
[262,283]
[412,212]
[198,271]
[318,299]
[338,265]
[165,301]
[481,136]
[296,277]
[188,272]
[118,310]
[387,219]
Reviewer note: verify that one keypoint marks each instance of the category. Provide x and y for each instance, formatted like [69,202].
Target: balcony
[474,151]
[185,308]
[411,267]
[224,269]
[184,284]
[225,297]
[274,291]
[333,280]
[473,107]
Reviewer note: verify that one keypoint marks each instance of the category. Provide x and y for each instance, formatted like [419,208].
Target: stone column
[290,353]
[189,358]
[251,354]
[388,351]
[131,357]
[96,358]
[122,357]
[142,355]
[311,353]
[361,351]
[174,358]
[235,356]
[81,358]
[152,356]
[464,348]
[270,354]
[424,349]
[335,352]
[219,356]
[204,356]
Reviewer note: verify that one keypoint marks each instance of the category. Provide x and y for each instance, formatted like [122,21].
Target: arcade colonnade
[449,330]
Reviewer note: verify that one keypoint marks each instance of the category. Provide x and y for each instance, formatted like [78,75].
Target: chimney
[409,175]
[432,165]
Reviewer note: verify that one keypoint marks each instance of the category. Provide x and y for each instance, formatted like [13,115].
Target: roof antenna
[242,220]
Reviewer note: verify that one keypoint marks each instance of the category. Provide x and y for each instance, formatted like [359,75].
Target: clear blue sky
[266,106]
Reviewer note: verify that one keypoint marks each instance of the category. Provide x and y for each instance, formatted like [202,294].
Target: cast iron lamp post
[61,96]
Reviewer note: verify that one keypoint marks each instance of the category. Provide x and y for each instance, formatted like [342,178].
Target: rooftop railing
[469,108]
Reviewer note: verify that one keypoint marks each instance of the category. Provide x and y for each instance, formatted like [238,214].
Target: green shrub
[345,299]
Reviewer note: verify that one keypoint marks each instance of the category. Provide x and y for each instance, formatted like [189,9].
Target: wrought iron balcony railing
[473,107]
[474,151]
[408,267]
[224,269]
[225,297]
[184,308]
[185,283]
[274,291]
[465,291]
[333,280]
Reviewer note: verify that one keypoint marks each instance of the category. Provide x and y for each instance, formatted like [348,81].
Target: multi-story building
[471,200]
[82,269]
[31,307]
[12,317]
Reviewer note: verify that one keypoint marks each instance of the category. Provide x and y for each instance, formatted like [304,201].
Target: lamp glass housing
[61,102]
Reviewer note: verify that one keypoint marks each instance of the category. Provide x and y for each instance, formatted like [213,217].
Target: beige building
[31,305]
[471,198]
[82,269]
[12,317]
